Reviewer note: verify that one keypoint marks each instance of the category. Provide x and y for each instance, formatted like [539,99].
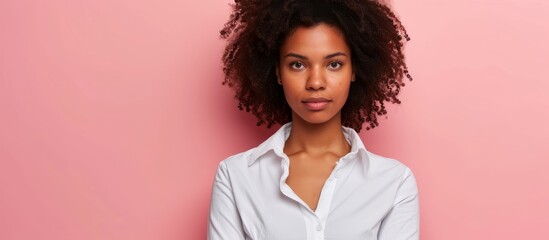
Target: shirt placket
[315,221]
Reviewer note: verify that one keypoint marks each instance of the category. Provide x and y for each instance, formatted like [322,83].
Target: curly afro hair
[257,29]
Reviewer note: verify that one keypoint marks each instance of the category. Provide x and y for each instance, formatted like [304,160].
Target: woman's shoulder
[240,158]
[231,164]
[382,164]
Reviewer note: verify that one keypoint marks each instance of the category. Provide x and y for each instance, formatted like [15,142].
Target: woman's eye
[334,65]
[296,65]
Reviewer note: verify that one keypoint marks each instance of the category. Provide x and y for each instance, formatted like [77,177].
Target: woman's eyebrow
[304,58]
[295,55]
[335,55]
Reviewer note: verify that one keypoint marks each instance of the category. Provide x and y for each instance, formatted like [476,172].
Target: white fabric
[366,197]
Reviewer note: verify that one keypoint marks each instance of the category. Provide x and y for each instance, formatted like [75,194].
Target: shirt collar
[276,142]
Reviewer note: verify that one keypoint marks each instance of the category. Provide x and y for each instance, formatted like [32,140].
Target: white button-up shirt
[366,197]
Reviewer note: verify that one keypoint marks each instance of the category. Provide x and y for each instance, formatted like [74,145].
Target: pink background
[113,118]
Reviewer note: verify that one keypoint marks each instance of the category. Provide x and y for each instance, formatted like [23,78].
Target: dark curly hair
[257,29]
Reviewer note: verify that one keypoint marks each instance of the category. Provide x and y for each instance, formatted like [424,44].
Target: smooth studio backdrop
[113,118]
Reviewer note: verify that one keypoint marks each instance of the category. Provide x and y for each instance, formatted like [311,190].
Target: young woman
[320,68]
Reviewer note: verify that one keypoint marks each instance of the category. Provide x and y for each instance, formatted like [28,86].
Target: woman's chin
[317,119]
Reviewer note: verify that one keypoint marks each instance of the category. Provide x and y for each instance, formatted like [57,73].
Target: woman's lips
[316,104]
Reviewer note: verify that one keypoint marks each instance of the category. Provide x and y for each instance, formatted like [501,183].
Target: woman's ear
[277,72]
[353,76]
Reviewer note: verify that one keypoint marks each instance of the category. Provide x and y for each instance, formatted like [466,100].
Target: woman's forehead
[318,40]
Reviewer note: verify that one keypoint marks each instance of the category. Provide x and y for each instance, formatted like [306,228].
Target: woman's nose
[316,80]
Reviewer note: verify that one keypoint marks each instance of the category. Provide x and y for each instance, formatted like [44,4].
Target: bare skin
[313,150]
[315,64]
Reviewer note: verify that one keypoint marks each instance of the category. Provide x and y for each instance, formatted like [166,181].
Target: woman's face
[315,71]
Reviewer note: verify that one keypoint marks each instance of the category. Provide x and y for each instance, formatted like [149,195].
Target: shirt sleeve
[402,222]
[224,221]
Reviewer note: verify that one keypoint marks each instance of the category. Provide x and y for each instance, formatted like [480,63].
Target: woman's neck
[317,138]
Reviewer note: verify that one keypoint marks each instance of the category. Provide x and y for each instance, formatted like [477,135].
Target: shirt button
[318,227]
